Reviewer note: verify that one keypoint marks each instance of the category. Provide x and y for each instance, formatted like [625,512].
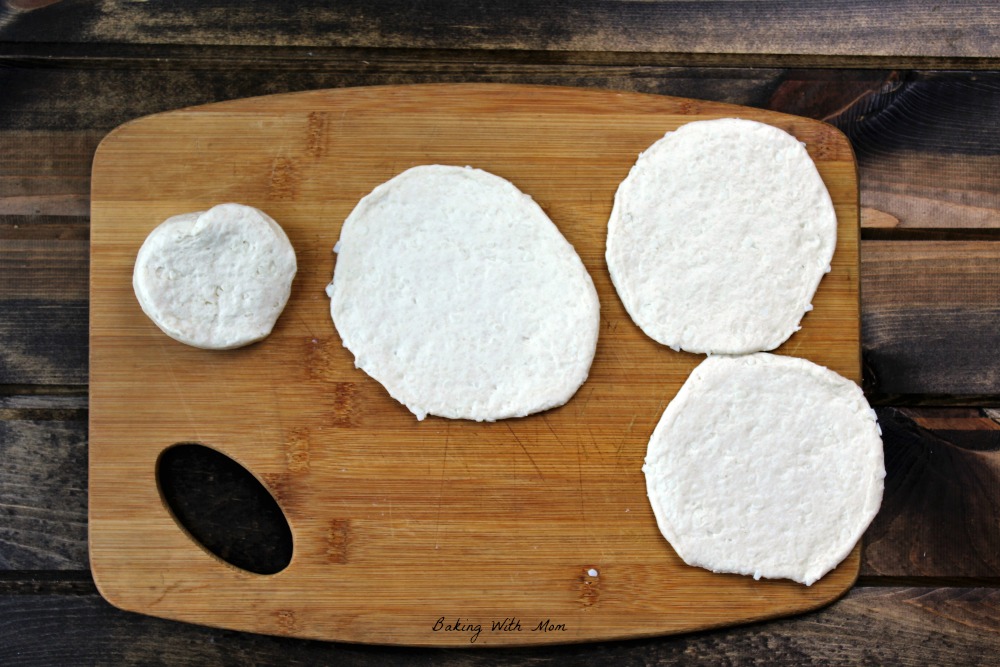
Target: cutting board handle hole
[224,508]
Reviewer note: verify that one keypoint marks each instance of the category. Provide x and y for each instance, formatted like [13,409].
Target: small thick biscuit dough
[719,237]
[765,465]
[215,279]
[455,291]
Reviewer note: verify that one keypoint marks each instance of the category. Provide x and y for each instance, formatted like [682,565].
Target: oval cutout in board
[224,508]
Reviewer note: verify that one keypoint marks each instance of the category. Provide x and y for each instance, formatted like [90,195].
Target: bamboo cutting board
[448,533]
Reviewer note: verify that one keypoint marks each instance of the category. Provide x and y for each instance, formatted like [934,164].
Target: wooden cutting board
[406,532]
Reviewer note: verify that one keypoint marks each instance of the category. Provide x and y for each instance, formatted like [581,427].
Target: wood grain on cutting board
[439,532]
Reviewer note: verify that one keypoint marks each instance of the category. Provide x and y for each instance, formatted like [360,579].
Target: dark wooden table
[914,84]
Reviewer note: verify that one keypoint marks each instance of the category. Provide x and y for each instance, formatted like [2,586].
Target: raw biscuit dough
[455,291]
[215,279]
[765,465]
[719,237]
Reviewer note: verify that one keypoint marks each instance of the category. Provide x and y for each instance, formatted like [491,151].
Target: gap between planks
[326,58]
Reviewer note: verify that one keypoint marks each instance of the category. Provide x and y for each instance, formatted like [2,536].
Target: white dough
[719,237]
[765,465]
[215,279]
[456,292]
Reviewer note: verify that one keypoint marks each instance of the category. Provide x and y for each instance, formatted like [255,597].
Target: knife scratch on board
[525,450]
[444,467]
[555,435]
[582,410]
[621,443]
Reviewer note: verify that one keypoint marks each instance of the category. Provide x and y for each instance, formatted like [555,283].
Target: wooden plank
[854,28]
[46,173]
[43,333]
[43,490]
[76,94]
[940,514]
[67,406]
[44,179]
[919,160]
[885,626]
[920,165]
[929,313]
[46,269]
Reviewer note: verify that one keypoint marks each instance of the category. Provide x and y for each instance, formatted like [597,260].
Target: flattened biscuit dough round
[765,465]
[456,292]
[719,237]
[215,279]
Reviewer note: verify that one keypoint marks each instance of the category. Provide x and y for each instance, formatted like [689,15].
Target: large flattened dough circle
[719,237]
[215,279]
[765,465]
[455,291]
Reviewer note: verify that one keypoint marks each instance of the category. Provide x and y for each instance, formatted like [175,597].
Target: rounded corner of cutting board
[108,585]
[117,133]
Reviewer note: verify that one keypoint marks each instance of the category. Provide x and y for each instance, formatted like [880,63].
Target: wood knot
[873,218]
